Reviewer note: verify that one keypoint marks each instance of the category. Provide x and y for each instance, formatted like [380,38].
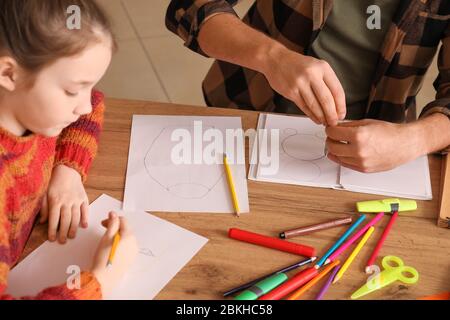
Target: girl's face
[61,93]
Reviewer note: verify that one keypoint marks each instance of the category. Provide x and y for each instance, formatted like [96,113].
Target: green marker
[262,287]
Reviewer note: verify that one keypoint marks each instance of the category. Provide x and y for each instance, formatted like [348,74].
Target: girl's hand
[109,276]
[65,205]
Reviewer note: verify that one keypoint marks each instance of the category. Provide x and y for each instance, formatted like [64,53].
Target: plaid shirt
[410,44]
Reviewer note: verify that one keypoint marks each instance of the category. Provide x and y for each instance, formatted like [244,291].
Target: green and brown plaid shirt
[410,44]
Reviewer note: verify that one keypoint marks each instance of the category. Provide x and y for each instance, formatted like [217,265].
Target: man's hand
[373,145]
[65,205]
[308,82]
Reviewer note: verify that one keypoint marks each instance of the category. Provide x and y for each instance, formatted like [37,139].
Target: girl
[50,119]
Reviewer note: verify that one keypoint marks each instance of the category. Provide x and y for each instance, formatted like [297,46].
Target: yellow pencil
[353,254]
[114,248]
[231,184]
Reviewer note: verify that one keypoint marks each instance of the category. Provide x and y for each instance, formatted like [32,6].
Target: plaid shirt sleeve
[442,83]
[186,17]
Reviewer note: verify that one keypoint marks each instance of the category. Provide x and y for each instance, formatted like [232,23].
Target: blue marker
[340,241]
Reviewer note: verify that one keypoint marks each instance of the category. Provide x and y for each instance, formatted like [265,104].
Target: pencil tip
[282,235]
[316,266]
[313,259]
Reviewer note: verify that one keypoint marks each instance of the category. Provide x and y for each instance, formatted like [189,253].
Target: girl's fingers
[113,225]
[44,210]
[64,223]
[84,214]
[53,220]
[75,222]
[124,226]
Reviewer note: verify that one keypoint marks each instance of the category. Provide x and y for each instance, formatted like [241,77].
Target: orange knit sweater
[26,165]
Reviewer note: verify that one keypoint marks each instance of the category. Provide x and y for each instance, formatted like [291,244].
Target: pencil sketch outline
[169,187]
[146,252]
[291,132]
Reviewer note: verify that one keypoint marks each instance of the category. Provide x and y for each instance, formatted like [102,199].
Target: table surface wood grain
[224,263]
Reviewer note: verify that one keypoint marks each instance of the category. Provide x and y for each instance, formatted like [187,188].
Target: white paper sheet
[301,149]
[410,180]
[164,249]
[155,183]
[303,162]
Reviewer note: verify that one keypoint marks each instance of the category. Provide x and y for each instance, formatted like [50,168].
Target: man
[330,60]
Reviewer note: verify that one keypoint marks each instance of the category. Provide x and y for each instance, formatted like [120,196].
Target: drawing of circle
[189,190]
[302,170]
[321,135]
[304,147]
[289,132]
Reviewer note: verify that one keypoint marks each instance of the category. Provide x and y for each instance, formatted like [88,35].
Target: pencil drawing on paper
[146,252]
[301,153]
[186,181]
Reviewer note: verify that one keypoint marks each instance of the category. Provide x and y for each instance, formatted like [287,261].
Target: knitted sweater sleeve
[78,144]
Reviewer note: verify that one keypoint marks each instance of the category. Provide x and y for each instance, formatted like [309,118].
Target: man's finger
[336,89]
[340,149]
[300,102]
[326,101]
[347,162]
[341,133]
[312,104]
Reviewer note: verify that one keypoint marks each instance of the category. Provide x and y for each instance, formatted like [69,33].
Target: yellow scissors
[390,274]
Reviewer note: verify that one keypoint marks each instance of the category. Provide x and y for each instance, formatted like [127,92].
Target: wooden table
[224,263]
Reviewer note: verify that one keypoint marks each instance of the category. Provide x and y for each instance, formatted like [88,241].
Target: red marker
[271,242]
[294,283]
[377,249]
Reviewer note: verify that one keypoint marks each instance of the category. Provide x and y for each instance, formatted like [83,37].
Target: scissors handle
[388,259]
[408,279]
[399,270]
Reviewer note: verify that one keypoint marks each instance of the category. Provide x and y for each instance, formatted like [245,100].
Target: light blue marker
[340,241]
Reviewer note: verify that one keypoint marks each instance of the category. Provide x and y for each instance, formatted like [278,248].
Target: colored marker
[284,270]
[262,287]
[271,242]
[287,287]
[315,227]
[377,249]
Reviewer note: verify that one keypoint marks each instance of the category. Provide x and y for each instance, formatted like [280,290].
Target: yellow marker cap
[386,205]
